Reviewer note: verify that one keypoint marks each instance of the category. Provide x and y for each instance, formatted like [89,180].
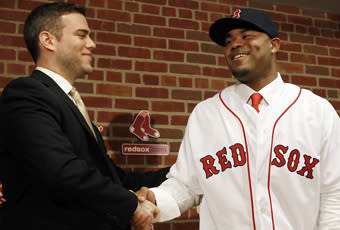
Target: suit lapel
[61,94]
[49,82]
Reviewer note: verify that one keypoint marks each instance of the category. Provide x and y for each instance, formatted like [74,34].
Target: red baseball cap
[243,18]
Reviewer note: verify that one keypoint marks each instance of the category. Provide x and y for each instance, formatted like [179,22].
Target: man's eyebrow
[83,31]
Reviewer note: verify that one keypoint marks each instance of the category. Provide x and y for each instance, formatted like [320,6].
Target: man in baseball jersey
[263,154]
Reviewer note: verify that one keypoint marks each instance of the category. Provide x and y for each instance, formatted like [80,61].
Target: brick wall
[156,55]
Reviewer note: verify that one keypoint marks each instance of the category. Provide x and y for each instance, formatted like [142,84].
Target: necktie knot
[255,100]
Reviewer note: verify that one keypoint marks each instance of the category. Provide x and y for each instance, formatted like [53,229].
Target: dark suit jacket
[55,174]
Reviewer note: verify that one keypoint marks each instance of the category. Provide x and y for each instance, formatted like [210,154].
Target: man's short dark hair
[46,18]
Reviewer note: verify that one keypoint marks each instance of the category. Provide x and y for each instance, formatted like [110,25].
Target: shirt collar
[270,92]
[61,81]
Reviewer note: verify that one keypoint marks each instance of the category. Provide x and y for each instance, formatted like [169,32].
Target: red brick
[290,46]
[7,27]
[328,42]
[131,104]
[114,76]
[150,9]
[150,42]
[113,38]
[12,40]
[300,20]
[160,119]
[134,29]
[185,82]
[330,83]
[105,50]
[111,89]
[157,2]
[84,87]
[101,25]
[168,81]
[185,69]
[165,106]
[304,80]
[134,52]
[98,3]
[117,117]
[201,83]
[133,78]
[171,133]
[186,94]
[169,33]
[329,61]
[183,45]
[325,24]
[301,29]
[290,67]
[218,84]
[96,75]
[186,225]
[334,52]
[151,66]
[197,36]
[217,72]
[13,15]
[97,102]
[114,15]
[131,6]
[201,59]
[315,49]
[313,13]
[287,27]
[288,9]
[317,70]
[146,92]
[201,16]
[179,120]
[235,2]
[13,68]
[169,11]
[162,226]
[336,72]
[192,5]
[115,4]
[7,4]
[149,20]
[7,54]
[210,7]
[169,56]
[183,13]
[115,63]
[303,58]
[301,38]
[150,79]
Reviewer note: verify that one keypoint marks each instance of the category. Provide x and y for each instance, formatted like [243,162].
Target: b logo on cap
[236,13]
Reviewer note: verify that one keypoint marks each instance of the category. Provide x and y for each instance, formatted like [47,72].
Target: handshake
[146,210]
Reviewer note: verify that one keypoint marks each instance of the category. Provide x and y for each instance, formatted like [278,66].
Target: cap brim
[221,27]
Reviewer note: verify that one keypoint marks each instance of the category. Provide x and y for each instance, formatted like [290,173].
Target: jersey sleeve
[330,171]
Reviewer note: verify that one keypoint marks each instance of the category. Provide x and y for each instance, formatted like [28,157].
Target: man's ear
[275,45]
[47,40]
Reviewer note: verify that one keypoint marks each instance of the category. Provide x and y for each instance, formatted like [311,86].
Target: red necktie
[255,101]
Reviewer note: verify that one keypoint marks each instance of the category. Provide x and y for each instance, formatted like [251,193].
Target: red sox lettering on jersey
[283,157]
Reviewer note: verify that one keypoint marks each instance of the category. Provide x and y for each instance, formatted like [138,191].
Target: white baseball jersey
[276,169]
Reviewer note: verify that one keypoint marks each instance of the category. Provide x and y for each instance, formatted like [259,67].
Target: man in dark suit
[53,164]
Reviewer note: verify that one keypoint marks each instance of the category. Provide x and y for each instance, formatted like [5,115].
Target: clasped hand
[146,210]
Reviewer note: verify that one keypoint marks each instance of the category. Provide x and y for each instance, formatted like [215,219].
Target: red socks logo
[141,127]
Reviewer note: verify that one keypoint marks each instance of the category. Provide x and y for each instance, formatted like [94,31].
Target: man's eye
[227,42]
